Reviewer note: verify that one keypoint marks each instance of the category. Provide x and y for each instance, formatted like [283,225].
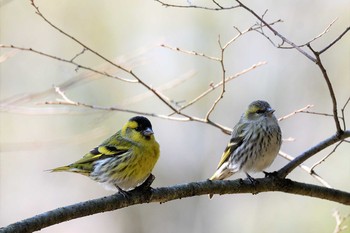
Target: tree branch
[284,39]
[165,194]
[335,41]
[330,89]
[283,172]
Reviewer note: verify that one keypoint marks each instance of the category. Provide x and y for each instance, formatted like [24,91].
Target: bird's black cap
[143,122]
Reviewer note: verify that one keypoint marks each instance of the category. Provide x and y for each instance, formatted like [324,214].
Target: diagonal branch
[215,86]
[330,89]
[307,169]
[128,71]
[295,112]
[284,39]
[165,194]
[335,41]
[71,61]
[223,88]
[283,172]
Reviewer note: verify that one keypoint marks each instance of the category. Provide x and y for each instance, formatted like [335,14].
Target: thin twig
[310,171]
[284,39]
[223,74]
[214,86]
[216,3]
[318,113]
[177,49]
[342,112]
[330,89]
[295,112]
[315,38]
[326,157]
[69,102]
[284,171]
[79,66]
[79,54]
[169,85]
[129,71]
[197,7]
[335,41]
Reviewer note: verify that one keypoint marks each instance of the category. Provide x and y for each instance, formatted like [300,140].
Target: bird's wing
[102,152]
[114,146]
[235,141]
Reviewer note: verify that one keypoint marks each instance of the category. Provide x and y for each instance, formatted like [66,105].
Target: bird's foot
[122,192]
[270,174]
[146,185]
[251,179]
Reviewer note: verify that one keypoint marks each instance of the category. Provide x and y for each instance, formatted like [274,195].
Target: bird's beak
[147,132]
[270,111]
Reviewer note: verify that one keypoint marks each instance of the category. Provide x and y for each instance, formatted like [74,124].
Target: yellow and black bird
[123,161]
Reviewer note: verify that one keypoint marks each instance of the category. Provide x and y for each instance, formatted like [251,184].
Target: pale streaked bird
[254,144]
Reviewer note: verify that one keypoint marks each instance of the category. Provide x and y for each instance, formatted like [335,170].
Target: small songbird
[123,161]
[254,144]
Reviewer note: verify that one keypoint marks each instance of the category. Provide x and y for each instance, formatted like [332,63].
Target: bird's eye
[260,111]
[138,128]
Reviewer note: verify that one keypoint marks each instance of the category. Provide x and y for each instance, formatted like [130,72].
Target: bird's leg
[147,183]
[251,179]
[124,193]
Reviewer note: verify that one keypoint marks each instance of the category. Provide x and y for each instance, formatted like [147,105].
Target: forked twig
[335,41]
[295,112]
[324,158]
[310,171]
[223,74]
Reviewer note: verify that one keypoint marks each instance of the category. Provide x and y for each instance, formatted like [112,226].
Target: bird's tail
[60,169]
[215,176]
[70,168]
[220,174]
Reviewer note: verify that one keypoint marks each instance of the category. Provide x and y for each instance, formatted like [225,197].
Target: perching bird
[254,144]
[123,161]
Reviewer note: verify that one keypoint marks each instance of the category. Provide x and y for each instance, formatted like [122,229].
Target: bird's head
[138,128]
[258,110]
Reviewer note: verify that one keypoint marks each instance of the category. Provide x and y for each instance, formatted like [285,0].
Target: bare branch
[223,74]
[315,38]
[69,102]
[219,7]
[324,158]
[283,172]
[165,194]
[71,61]
[128,71]
[317,113]
[342,112]
[169,85]
[330,89]
[295,112]
[335,41]
[177,49]
[284,39]
[310,171]
[78,54]
[212,87]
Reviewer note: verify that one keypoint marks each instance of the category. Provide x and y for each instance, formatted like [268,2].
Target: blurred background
[36,137]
